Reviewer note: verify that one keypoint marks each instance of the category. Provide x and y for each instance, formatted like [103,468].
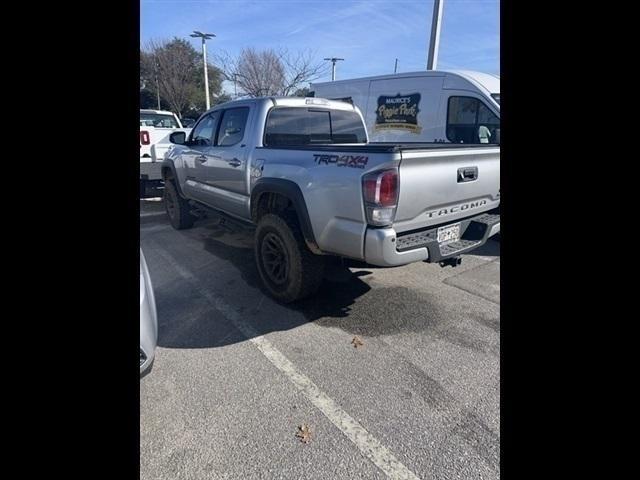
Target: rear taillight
[380,191]
[144,138]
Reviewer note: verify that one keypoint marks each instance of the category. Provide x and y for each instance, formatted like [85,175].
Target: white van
[429,106]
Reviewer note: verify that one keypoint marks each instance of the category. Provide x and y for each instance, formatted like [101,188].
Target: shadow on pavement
[343,301]
[489,249]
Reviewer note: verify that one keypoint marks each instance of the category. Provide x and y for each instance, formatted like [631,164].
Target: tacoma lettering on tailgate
[456,208]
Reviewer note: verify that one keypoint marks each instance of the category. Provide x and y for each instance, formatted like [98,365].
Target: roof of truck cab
[313,102]
[286,102]
[487,81]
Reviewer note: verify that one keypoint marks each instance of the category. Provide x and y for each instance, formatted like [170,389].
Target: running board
[203,212]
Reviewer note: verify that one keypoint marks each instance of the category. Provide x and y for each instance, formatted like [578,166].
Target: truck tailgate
[441,186]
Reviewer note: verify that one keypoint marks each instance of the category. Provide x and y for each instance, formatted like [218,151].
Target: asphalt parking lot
[236,374]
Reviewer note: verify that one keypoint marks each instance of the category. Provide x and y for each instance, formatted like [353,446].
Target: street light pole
[333,61]
[157,86]
[235,86]
[204,37]
[434,43]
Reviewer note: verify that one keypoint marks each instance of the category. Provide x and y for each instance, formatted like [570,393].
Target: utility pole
[434,43]
[157,86]
[204,37]
[333,61]
[395,69]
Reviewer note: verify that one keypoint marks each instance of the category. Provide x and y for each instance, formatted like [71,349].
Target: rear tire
[288,269]
[177,208]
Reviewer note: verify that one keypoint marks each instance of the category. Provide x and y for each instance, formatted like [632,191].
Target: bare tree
[270,72]
[301,68]
[260,73]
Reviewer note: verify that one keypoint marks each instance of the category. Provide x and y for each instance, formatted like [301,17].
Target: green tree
[175,67]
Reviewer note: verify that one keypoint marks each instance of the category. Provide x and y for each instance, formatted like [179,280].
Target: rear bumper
[150,170]
[385,248]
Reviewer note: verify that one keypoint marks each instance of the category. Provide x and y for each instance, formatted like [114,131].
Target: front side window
[158,120]
[289,126]
[232,126]
[202,135]
[470,121]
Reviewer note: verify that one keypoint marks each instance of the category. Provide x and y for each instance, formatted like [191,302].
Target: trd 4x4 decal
[352,161]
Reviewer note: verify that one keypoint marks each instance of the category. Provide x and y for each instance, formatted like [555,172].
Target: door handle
[201,158]
[235,162]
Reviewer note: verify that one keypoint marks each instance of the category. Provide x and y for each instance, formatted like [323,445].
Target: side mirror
[498,136]
[179,138]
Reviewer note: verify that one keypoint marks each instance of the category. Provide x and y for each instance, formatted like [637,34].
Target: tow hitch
[451,262]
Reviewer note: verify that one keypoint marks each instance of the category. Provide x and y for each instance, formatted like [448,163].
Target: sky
[368,34]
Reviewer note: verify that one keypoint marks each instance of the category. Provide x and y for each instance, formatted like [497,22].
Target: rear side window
[287,126]
[346,127]
[202,134]
[470,121]
[232,126]
[158,120]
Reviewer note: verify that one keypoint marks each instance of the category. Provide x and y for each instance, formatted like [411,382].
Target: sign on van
[399,112]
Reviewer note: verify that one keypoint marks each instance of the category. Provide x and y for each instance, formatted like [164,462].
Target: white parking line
[366,443]
[359,436]
[152,214]
[486,259]
[153,228]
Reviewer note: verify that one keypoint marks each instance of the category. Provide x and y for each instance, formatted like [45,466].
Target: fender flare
[169,164]
[291,190]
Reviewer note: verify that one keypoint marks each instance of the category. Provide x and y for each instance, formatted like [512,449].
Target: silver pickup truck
[302,171]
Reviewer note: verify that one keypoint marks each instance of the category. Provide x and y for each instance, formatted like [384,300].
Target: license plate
[449,234]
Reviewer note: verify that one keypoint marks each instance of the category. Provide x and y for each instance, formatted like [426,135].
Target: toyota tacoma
[301,170]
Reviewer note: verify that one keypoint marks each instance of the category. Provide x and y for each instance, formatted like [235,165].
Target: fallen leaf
[304,433]
[356,342]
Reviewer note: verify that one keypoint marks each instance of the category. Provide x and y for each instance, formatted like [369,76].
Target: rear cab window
[293,126]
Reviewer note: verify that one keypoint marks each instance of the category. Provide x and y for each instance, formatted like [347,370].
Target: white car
[148,319]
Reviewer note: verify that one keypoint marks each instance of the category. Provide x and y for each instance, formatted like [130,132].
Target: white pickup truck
[155,128]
